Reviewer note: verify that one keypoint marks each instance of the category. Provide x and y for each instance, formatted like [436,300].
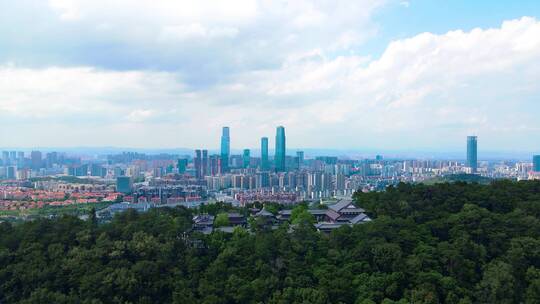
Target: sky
[362,74]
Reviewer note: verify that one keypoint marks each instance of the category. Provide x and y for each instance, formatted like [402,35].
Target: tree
[301,215]
[92,218]
[498,284]
[221,220]
[455,243]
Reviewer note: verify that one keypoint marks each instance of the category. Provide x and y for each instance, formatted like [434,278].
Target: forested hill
[444,243]
[450,178]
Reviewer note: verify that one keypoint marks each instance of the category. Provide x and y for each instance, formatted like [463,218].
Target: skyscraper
[225,149]
[246,158]
[13,157]
[214,164]
[197,162]
[472,153]
[299,159]
[97,170]
[51,159]
[5,158]
[264,154]
[280,149]
[204,164]
[536,163]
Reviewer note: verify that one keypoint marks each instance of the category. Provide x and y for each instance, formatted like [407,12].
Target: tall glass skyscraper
[264,154]
[246,158]
[472,153]
[225,149]
[536,163]
[280,149]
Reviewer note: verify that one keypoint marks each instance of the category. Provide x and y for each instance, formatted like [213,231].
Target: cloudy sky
[361,74]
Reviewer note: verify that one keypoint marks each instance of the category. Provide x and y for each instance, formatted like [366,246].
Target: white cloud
[420,89]
[156,10]
[62,93]
[140,115]
[195,31]
[196,38]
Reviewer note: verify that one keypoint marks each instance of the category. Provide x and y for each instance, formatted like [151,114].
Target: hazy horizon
[309,152]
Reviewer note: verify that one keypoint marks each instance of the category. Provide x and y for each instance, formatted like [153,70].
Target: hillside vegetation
[443,243]
[451,178]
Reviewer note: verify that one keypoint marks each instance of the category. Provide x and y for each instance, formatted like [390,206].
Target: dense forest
[443,243]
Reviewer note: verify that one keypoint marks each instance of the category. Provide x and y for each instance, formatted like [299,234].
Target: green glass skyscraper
[264,154]
[182,165]
[246,158]
[280,149]
[536,163]
[472,153]
[123,184]
[225,149]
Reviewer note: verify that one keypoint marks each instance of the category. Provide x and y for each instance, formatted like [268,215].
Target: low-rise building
[344,212]
[203,223]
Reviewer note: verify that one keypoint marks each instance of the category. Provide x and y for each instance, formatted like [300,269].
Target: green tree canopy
[221,220]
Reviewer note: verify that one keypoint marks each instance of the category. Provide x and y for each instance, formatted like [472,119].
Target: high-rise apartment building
[197,162]
[299,159]
[51,159]
[36,159]
[205,163]
[265,165]
[225,149]
[472,153]
[97,170]
[13,157]
[5,158]
[280,149]
[214,165]
[11,172]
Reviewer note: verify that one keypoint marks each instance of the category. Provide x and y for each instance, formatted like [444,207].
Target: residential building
[265,165]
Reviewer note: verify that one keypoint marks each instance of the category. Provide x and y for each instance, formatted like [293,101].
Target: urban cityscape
[36,179]
[276,152]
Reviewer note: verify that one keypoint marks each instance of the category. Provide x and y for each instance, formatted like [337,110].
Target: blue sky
[369,74]
[407,18]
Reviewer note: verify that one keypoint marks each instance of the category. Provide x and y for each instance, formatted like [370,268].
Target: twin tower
[279,158]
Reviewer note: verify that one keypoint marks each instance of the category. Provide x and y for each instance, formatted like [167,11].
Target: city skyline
[347,76]
[281,150]
[255,151]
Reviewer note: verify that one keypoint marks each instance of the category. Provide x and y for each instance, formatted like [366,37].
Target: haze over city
[355,75]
